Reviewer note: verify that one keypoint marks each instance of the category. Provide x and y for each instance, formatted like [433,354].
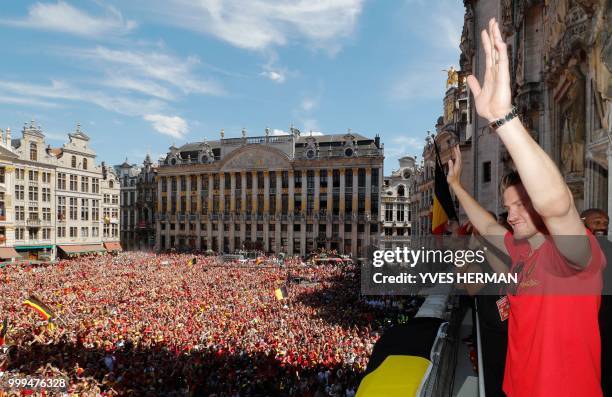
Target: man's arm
[550,196]
[482,220]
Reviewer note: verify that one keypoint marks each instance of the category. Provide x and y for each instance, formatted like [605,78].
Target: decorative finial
[243,132]
[222,133]
[349,131]
[267,131]
[310,132]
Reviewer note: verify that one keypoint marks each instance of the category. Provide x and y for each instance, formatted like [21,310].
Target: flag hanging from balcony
[443,207]
[42,309]
[281,293]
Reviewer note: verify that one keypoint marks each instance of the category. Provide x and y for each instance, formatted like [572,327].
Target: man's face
[597,223]
[521,216]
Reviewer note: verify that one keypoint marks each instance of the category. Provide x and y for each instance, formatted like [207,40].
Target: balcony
[395,238]
[33,222]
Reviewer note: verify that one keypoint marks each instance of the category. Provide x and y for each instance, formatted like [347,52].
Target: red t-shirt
[553,337]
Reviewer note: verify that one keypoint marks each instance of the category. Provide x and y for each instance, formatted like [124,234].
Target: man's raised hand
[454,168]
[494,99]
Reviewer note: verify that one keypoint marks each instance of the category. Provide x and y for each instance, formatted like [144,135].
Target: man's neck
[536,240]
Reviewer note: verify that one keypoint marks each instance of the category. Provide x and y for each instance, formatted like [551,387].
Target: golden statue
[453,77]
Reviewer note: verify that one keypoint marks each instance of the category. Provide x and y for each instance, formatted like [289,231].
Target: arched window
[33,151]
[401,191]
[73,162]
[111,184]
[84,164]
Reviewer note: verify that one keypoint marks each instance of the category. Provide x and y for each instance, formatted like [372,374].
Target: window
[33,234]
[84,209]
[46,234]
[84,163]
[400,212]
[401,191]
[19,233]
[33,175]
[106,230]
[115,213]
[73,163]
[33,193]
[106,198]
[61,209]
[73,208]
[95,231]
[115,228]
[115,199]
[2,171]
[73,232]
[486,172]
[46,194]
[389,212]
[46,177]
[111,184]
[74,184]
[61,181]
[46,214]
[20,174]
[19,213]
[33,151]
[95,210]
[95,185]
[84,231]
[85,184]
[61,231]
[19,192]
[33,213]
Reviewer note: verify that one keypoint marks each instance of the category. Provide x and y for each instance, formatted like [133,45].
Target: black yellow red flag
[39,307]
[443,207]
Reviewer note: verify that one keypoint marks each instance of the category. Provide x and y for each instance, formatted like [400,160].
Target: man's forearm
[539,174]
[480,217]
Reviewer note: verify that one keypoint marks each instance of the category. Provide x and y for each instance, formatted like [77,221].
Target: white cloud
[277,132]
[275,76]
[421,82]
[308,104]
[146,87]
[403,145]
[159,66]
[62,17]
[173,126]
[60,90]
[260,24]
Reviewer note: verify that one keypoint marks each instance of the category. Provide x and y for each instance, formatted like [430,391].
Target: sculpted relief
[255,158]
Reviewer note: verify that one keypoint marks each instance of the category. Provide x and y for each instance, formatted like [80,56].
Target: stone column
[368,206]
[290,211]
[342,207]
[243,199]
[209,235]
[254,208]
[157,218]
[188,195]
[279,210]
[266,210]
[354,220]
[330,206]
[232,232]
[179,208]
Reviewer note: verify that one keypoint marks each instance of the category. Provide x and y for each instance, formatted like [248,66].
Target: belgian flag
[3,331]
[42,309]
[443,207]
[281,293]
[192,261]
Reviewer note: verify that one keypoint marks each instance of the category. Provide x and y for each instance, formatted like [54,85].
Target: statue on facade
[572,133]
[453,77]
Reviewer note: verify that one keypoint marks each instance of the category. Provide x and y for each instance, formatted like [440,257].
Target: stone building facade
[396,215]
[286,193]
[561,64]
[138,204]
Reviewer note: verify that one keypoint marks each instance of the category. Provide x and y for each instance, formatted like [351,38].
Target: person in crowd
[550,249]
[596,220]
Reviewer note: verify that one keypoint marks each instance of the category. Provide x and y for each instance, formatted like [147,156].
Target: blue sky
[141,75]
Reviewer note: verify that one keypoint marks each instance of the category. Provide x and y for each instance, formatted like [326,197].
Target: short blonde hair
[510,179]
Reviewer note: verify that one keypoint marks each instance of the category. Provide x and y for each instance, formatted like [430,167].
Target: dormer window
[84,164]
[401,191]
[111,184]
[33,152]
[73,162]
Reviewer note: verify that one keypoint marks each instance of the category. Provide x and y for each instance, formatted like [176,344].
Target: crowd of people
[158,324]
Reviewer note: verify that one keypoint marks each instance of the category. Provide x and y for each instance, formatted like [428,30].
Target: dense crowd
[144,324]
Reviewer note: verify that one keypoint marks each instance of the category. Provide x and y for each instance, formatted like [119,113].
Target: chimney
[8,137]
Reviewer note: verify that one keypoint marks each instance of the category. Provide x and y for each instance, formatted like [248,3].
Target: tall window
[111,184]
[401,191]
[74,184]
[84,163]
[400,212]
[61,181]
[33,151]
[73,162]
[61,209]
[389,212]
[84,209]
[19,213]
[2,171]
[33,193]
[95,185]
[73,208]
[85,184]
[95,210]
[19,192]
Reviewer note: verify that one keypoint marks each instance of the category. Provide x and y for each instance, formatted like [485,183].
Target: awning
[81,248]
[8,253]
[113,246]
[33,247]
